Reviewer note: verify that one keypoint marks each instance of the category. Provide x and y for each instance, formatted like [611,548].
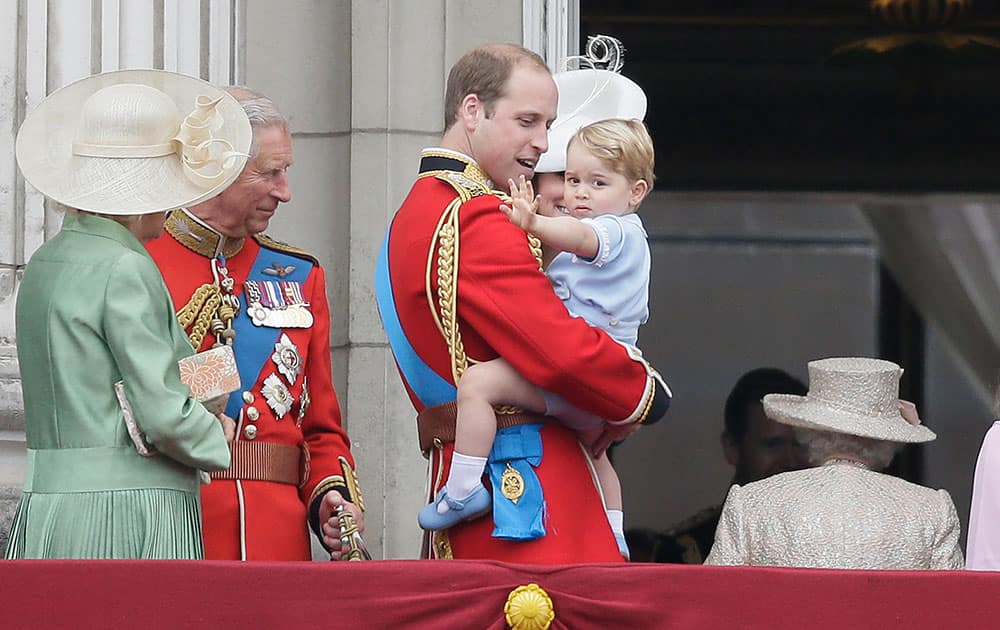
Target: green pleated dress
[92,309]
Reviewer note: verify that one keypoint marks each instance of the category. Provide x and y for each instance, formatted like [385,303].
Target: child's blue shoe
[472,506]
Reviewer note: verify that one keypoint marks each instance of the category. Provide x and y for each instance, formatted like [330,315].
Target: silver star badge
[286,356]
[277,395]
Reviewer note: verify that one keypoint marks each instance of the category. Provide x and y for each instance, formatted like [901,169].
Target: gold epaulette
[470,182]
[466,187]
[266,241]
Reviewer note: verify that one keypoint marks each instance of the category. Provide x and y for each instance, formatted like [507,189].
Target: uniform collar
[438,160]
[196,235]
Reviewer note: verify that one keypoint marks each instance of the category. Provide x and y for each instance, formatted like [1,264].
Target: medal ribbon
[255,344]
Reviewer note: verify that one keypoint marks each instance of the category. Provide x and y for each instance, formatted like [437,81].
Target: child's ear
[639,190]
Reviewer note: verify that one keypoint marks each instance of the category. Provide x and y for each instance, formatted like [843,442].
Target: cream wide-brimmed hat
[589,95]
[134,142]
[857,396]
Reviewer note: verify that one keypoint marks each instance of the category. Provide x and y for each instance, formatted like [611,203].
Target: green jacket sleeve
[146,343]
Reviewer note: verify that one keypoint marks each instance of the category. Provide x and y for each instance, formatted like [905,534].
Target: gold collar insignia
[456,168]
[193,233]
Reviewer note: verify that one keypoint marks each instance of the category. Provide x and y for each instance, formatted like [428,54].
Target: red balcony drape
[467,594]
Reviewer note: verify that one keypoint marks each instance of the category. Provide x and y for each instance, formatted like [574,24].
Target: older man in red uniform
[458,282]
[291,465]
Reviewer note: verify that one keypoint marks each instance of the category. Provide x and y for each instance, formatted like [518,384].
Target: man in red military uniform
[291,465]
[457,282]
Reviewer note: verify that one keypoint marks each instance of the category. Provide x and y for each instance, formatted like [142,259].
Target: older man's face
[246,207]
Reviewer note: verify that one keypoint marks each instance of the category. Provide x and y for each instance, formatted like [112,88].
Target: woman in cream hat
[117,151]
[842,513]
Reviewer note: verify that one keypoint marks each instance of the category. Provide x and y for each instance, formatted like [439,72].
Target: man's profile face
[246,207]
[767,448]
[508,143]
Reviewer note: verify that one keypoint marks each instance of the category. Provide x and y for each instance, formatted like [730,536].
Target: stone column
[402,52]
[43,46]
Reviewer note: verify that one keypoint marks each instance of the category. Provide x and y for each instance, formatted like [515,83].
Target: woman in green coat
[92,310]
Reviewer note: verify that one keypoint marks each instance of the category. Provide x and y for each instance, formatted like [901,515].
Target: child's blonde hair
[624,144]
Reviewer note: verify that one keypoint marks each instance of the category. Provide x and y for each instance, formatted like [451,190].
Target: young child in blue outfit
[600,271]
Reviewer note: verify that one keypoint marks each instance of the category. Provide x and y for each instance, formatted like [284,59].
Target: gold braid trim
[429,273]
[447,292]
[270,243]
[648,404]
[444,251]
[535,245]
[200,309]
[445,244]
[333,482]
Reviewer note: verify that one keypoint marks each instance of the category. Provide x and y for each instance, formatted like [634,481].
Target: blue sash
[254,345]
[520,445]
[425,383]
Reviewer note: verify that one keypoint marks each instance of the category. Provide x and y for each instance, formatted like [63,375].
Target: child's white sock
[465,476]
[617,520]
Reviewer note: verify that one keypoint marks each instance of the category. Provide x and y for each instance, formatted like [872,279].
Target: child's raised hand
[523,208]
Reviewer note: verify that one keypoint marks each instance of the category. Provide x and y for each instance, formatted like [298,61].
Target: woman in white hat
[586,95]
[117,151]
[844,513]
[984,517]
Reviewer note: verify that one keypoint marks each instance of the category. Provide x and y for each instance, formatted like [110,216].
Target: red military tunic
[246,517]
[506,306]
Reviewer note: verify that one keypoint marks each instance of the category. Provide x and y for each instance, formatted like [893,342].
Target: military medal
[511,484]
[286,357]
[277,395]
[277,304]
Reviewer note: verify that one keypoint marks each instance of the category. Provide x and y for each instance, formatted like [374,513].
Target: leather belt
[263,461]
[437,423]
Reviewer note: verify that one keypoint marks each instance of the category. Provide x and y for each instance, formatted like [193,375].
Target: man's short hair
[261,111]
[751,388]
[624,145]
[484,71]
